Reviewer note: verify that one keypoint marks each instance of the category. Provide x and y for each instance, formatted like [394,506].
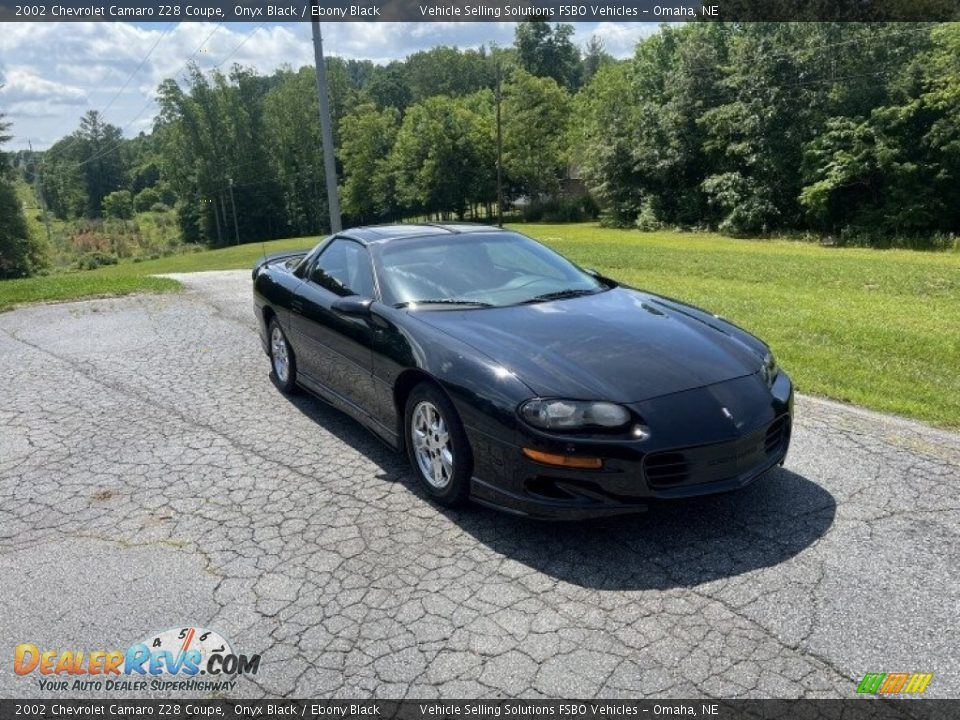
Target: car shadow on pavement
[680,543]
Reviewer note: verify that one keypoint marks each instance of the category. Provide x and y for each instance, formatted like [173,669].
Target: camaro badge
[727,414]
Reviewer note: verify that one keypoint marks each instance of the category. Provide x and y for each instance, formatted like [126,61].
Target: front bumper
[692,451]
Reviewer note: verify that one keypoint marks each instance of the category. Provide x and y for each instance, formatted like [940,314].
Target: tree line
[841,129]
[848,130]
[238,154]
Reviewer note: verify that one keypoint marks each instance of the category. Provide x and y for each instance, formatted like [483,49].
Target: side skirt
[338,401]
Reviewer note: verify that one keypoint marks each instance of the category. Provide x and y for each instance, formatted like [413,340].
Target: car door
[335,350]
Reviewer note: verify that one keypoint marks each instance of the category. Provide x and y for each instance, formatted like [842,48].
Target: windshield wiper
[443,301]
[560,295]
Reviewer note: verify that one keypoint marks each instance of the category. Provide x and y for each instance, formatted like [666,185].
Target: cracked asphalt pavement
[151,476]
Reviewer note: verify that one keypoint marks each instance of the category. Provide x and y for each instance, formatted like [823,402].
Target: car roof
[387,233]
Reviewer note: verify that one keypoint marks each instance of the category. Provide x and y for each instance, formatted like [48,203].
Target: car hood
[621,345]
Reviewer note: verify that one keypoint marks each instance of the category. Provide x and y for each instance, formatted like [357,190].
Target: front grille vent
[776,434]
[720,461]
[669,468]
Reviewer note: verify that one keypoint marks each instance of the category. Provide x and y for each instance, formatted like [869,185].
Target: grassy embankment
[129,277]
[876,328]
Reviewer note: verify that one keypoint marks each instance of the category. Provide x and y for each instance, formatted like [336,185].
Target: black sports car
[513,377]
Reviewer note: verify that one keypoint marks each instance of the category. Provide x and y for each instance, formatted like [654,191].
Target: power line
[182,67]
[240,45]
[138,68]
[796,55]
[73,138]
[149,102]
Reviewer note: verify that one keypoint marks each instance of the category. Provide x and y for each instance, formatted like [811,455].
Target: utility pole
[223,211]
[216,217]
[326,131]
[499,153]
[233,204]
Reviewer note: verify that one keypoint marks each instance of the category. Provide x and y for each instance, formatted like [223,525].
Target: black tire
[287,384]
[453,488]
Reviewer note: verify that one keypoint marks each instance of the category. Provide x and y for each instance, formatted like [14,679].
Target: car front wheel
[437,445]
[282,359]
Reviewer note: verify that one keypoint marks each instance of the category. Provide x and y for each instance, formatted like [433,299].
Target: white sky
[53,73]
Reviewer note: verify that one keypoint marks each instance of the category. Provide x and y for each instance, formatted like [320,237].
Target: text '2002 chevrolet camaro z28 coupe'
[513,377]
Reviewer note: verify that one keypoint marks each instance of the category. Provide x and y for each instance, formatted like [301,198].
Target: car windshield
[482,269]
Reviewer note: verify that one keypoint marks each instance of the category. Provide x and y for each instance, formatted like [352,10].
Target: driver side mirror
[354,305]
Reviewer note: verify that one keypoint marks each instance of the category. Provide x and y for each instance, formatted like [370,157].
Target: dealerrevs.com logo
[187,658]
[894,683]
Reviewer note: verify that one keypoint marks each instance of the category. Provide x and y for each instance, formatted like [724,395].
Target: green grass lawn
[879,328]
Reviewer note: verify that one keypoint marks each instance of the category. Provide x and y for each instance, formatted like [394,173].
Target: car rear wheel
[282,359]
[437,445]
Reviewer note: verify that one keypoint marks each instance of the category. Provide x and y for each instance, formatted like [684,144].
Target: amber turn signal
[570,461]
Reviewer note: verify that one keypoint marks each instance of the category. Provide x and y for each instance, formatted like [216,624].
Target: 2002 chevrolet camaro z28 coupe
[513,377]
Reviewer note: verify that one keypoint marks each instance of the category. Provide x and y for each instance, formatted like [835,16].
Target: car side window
[344,268]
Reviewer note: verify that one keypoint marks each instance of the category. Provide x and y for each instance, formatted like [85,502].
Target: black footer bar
[853,709]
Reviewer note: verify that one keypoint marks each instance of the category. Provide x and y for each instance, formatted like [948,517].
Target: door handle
[297,307]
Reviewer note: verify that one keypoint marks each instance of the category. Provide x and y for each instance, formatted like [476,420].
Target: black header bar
[479,10]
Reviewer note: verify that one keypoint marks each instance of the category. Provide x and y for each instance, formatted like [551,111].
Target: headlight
[769,369]
[573,414]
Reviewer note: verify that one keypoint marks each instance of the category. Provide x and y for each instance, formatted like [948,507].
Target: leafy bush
[647,220]
[94,260]
[859,236]
[118,205]
[744,202]
[146,199]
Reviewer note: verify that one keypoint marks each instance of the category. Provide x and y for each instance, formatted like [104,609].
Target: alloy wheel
[279,354]
[432,445]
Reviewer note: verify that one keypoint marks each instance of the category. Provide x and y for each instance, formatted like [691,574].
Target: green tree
[755,139]
[342,85]
[143,162]
[101,161]
[293,133]
[366,139]
[387,86]
[215,158]
[640,145]
[536,115]
[118,205]
[61,181]
[443,157]
[604,138]
[447,71]
[894,167]
[20,255]
[146,199]
[84,167]
[759,127]
[939,72]
[547,51]
[595,56]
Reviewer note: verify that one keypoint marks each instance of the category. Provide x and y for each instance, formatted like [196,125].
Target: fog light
[641,432]
[570,461]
